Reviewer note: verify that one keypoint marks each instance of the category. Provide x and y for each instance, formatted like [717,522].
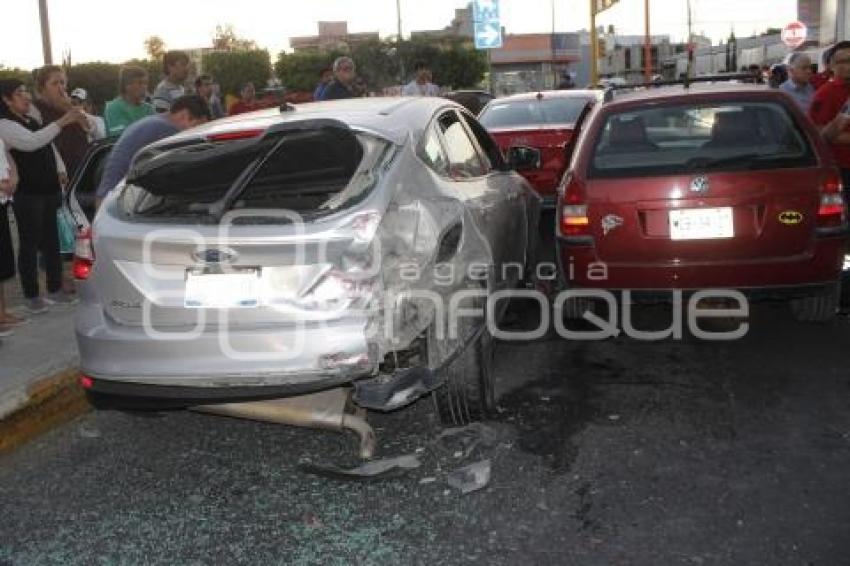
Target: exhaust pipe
[327,410]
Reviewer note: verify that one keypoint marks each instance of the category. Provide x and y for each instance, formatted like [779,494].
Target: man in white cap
[97,126]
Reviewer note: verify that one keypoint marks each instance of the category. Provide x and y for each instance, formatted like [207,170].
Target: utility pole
[552,45]
[691,45]
[45,32]
[398,44]
[647,45]
[594,47]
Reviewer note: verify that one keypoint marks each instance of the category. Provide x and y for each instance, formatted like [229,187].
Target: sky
[115,30]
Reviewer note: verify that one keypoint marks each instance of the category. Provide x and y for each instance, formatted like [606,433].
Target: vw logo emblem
[700,185]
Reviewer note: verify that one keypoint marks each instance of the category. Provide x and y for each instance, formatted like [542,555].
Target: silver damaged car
[297,249]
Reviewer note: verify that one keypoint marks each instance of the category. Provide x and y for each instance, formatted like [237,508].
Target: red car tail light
[573,213]
[236,135]
[832,210]
[83,255]
[86,382]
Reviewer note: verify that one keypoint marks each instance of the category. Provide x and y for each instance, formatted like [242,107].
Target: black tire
[575,307]
[468,393]
[845,290]
[819,307]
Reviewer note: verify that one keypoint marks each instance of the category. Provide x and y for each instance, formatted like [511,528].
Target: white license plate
[223,290]
[701,224]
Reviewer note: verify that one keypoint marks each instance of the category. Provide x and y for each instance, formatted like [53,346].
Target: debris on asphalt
[311,520]
[89,432]
[377,469]
[461,442]
[427,480]
[470,478]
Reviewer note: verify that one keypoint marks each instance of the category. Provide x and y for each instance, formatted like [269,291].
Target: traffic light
[600,48]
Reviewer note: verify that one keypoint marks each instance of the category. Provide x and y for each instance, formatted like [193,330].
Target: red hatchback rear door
[703,183]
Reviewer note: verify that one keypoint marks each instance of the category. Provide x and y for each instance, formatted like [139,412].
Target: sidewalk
[37,371]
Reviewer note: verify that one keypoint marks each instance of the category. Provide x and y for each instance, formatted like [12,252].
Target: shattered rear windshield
[311,171]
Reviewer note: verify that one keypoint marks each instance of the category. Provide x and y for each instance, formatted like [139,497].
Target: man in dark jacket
[344,75]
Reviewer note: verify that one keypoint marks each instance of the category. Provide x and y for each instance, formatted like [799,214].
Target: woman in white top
[41,179]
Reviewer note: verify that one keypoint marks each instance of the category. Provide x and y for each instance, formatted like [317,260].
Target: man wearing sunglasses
[344,76]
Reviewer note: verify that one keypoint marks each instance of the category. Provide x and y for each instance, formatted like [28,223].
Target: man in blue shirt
[325,78]
[799,84]
[187,112]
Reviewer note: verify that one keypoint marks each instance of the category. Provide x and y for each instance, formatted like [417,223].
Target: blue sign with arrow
[488,27]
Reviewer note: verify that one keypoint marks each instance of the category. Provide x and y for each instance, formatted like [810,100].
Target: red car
[708,187]
[544,121]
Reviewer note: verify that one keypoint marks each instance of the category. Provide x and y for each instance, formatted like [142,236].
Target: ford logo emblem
[214,256]
[700,185]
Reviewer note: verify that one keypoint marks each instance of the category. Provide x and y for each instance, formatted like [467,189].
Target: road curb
[51,402]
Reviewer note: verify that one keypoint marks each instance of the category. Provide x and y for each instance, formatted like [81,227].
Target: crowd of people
[44,139]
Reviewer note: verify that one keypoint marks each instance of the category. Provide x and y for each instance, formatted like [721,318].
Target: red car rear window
[517,113]
[696,138]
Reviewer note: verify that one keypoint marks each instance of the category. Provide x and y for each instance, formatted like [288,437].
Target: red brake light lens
[82,268]
[86,382]
[573,213]
[235,135]
[832,210]
[83,255]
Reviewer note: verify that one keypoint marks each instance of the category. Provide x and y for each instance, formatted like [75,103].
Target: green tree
[225,39]
[152,66]
[454,63]
[233,68]
[99,79]
[155,47]
[377,63]
[16,73]
[300,71]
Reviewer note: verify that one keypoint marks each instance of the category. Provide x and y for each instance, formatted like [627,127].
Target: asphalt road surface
[613,452]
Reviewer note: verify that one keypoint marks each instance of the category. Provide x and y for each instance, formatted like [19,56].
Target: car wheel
[574,308]
[818,307]
[845,289]
[467,394]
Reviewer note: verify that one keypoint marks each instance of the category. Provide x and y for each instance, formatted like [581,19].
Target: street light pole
[594,47]
[552,45]
[647,45]
[398,43]
[691,45]
[45,32]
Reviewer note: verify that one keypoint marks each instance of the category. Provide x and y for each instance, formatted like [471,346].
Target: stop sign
[794,34]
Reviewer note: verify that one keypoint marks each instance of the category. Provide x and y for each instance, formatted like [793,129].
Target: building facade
[462,26]
[539,61]
[709,60]
[623,56]
[332,35]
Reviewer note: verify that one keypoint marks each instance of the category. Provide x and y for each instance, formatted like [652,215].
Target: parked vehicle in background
[716,186]
[542,121]
[472,100]
[291,250]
